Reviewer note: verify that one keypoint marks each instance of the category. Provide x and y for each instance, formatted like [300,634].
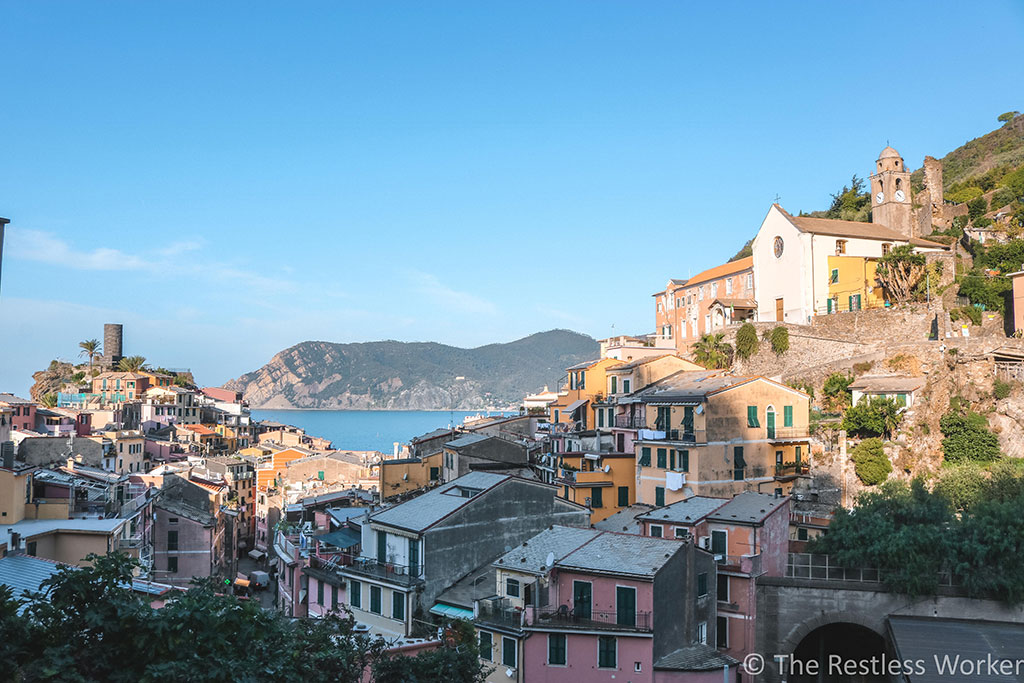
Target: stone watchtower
[890,194]
[113,334]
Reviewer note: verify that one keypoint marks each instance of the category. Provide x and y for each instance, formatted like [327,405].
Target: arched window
[899,183]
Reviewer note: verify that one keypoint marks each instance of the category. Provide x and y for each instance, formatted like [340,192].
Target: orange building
[688,309]
[267,472]
[587,386]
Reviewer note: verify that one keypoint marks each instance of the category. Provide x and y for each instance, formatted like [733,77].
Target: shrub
[967,438]
[1014,182]
[837,391]
[1001,389]
[746,341]
[1002,197]
[780,340]
[862,367]
[969,313]
[965,195]
[873,417]
[870,462]
[977,207]
[983,222]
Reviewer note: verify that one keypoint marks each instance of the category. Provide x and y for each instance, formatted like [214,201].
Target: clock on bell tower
[890,193]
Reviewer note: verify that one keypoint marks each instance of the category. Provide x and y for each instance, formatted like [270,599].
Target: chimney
[7,454]
[71,463]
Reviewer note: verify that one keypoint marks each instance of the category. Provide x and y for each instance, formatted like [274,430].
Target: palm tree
[90,348]
[711,352]
[132,364]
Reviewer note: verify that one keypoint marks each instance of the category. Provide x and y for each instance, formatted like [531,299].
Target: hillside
[392,375]
[1002,148]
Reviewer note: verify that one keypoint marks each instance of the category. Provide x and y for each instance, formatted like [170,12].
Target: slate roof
[695,658]
[184,510]
[887,383]
[625,520]
[34,527]
[925,638]
[687,511]
[476,585]
[637,363]
[747,507]
[431,435]
[621,554]
[466,440]
[584,365]
[25,573]
[531,555]
[691,385]
[12,399]
[427,509]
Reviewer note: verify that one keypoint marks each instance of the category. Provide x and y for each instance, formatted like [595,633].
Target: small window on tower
[899,181]
[840,247]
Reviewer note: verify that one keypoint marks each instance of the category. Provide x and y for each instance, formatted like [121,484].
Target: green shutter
[623,496]
[684,461]
[615,385]
[672,459]
[787,416]
[596,498]
[752,417]
[645,456]
[661,458]
[600,418]
[659,496]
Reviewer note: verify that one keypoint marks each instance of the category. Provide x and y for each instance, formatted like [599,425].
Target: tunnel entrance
[833,647]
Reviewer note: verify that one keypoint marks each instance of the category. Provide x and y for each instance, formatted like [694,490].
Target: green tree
[1007,116]
[49,400]
[961,485]
[711,352]
[966,437]
[852,203]
[780,340]
[746,341]
[976,208]
[89,348]
[876,416]
[899,271]
[987,550]
[132,364]
[836,389]
[747,250]
[870,462]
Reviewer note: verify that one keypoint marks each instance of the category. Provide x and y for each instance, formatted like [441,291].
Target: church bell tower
[890,193]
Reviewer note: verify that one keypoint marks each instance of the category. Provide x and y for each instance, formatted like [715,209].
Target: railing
[372,567]
[684,436]
[129,543]
[630,421]
[788,433]
[746,564]
[496,612]
[566,617]
[821,568]
[792,468]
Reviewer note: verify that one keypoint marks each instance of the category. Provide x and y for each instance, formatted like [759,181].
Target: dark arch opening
[842,642]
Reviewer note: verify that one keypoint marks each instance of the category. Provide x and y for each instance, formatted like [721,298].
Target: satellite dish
[607,468]
[549,561]
[699,409]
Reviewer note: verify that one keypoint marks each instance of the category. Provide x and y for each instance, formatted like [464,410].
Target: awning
[592,456]
[256,554]
[342,538]
[575,405]
[444,610]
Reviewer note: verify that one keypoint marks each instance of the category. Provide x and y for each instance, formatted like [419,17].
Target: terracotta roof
[200,429]
[730,268]
[854,229]
[736,303]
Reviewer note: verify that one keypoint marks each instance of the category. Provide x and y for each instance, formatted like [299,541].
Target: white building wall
[784,277]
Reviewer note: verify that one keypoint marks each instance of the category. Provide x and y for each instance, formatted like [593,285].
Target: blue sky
[230,179]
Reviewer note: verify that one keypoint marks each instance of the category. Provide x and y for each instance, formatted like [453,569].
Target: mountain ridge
[396,375]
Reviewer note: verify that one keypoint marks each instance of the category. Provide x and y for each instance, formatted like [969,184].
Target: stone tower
[112,338]
[890,193]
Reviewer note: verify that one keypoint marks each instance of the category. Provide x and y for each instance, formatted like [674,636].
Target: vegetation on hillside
[967,528]
[870,462]
[88,625]
[747,250]
[986,284]
[712,352]
[875,416]
[966,436]
[746,341]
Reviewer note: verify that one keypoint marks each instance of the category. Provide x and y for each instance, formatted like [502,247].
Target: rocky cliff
[391,375]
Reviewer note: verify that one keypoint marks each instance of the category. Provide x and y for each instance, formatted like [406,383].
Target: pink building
[23,412]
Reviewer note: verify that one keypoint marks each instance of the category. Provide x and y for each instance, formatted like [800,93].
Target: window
[382,546]
[718,542]
[702,584]
[723,588]
[596,499]
[645,456]
[672,458]
[684,461]
[172,540]
[486,645]
[556,649]
[752,420]
[581,598]
[623,500]
[508,652]
[834,277]
[886,247]
[739,464]
[659,496]
[661,458]
[728,286]
[840,247]
[600,419]
[615,385]
[320,593]
[638,667]
[787,416]
[750,280]
[607,657]
[434,473]
[625,605]
[398,605]
[625,386]
[681,532]
[414,557]
[172,564]
[512,588]
[355,593]
[801,534]
[656,530]
[722,632]
[702,633]
[714,289]
[334,597]
[375,596]
[796,451]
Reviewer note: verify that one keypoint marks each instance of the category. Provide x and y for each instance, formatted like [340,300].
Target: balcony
[683,436]
[564,617]
[788,433]
[373,568]
[792,469]
[499,613]
[630,422]
[745,564]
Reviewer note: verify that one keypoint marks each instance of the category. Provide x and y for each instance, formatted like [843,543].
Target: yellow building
[587,386]
[401,475]
[604,482]
[717,435]
[852,285]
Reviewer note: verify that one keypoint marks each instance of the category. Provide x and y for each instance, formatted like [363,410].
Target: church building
[807,266]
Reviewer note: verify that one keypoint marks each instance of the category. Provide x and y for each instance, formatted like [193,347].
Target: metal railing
[631,421]
[374,568]
[747,564]
[788,432]
[497,612]
[594,619]
[822,568]
[792,468]
[683,436]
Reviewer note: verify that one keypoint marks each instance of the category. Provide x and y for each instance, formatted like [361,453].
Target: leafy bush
[967,438]
[870,462]
[1007,116]
[987,291]
[983,222]
[872,417]
[965,195]
[746,341]
[1001,389]
[862,367]
[837,391]
[977,207]
[1014,182]
[968,313]
[1002,197]
[780,340]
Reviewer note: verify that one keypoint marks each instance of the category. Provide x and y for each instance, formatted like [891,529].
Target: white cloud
[451,299]
[44,247]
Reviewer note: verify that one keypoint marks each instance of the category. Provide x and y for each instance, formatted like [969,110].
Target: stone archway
[830,638]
